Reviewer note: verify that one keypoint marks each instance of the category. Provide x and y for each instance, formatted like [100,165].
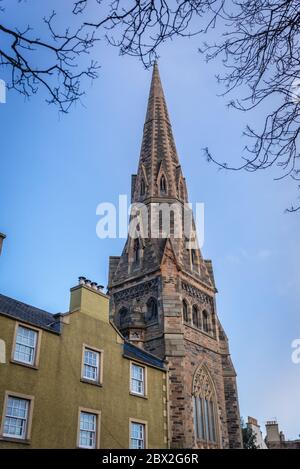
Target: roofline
[140,360]
[38,326]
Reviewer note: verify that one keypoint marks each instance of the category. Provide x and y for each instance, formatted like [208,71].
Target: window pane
[212,422]
[185,311]
[205,321]
[91,365]
[25,345]
[206,419]
[137,437]
[195,416]
[15,421]
[88,423]
[196,318]
[200,418]
[137,379]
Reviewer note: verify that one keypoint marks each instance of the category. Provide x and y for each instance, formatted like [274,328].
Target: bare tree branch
[259,49]
[139,28]
[25,55]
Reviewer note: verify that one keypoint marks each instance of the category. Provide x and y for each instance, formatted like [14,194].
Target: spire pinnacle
[158,157]
[156,102]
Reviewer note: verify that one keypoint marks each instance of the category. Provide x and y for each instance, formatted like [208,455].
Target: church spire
[162,293]
[159,173]
[157,108]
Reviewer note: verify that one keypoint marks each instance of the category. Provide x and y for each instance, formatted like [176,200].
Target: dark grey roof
[135,353]
[30,314]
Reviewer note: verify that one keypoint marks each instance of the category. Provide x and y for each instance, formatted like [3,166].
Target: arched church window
[163,185]
[205,321]
[152,310]
[160,224]
[123,316]
[196,317]
[181,191]
[193,258]
[185,313]
[143,187]
[172,222]
[205,405]
[136,250]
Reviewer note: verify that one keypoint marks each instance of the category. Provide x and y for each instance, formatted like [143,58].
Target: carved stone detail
[202,385]
[196,293]
[136,291]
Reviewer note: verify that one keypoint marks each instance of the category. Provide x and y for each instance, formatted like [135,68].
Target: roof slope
[27,313]
[136,353]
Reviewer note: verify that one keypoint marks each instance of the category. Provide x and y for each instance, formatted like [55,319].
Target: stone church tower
[163,295]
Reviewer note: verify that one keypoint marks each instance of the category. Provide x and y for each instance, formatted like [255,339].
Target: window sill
[87,448]
[15,440]
[143,396]
[27,365]
[211,444]
[199,330]
[89,381]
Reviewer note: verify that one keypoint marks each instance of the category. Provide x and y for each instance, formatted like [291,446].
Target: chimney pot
[81,280]
[87,283]
[94,285]
[100,287]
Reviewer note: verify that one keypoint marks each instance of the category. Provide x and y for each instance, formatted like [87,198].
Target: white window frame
[96,431]
[33,347]
[93,368]
[99,365]
[25,419]
[133,379]
[143,425]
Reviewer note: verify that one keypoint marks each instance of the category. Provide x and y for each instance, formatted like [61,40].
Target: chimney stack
[2,238]
[272,431]
[87,297]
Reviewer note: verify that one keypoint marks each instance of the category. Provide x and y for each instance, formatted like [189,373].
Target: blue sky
[56,169]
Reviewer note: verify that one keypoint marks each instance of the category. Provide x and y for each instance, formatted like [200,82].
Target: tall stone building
[162,294]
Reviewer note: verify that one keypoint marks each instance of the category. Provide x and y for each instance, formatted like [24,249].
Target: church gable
[169,260]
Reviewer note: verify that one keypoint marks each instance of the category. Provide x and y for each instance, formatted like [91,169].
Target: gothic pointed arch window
[160,224]
[185,313]
[205,406]
[123,313]
[143,187]
[193,258]
[181,190]
[205,321]
[172,222]
[152,310]
[163,185]
[136,250]
[196,317]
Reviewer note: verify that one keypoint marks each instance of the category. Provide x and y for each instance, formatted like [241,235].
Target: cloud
[263,254]
[292,285]
[243,256]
